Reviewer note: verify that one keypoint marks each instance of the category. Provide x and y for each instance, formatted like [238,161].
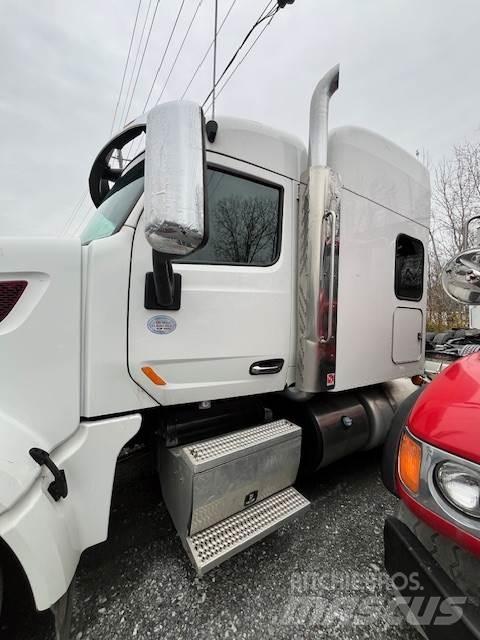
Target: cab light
[460,486]
[410,462]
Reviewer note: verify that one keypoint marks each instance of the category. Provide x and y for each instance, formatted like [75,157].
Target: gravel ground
[320,576]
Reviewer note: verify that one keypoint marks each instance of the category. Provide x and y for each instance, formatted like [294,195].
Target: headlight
[460,485]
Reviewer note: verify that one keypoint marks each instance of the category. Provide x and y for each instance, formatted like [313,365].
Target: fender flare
[48,537]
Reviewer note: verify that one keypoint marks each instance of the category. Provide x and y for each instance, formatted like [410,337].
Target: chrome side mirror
[175,193]
[461,277]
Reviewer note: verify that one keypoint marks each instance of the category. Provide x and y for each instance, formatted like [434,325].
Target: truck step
[210,453]
[217,543]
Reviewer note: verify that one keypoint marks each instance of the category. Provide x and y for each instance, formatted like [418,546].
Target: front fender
[48,537]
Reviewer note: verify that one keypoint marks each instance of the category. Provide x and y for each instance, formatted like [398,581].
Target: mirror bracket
[163,287]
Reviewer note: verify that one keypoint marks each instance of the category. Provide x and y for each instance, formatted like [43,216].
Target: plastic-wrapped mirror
[175,193]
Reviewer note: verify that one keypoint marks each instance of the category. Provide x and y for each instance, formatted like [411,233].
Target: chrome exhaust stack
[318,136]
[318,251]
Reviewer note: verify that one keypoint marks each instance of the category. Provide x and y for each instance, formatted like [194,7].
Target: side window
[409,266]
[244,221]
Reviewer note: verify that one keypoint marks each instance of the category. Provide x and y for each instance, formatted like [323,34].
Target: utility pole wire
[242,59]
[141,61]
[180,50]
[207,52]
[132,152]
[164,54]
[74,212]
[122,117]
[126,66]
[270,13]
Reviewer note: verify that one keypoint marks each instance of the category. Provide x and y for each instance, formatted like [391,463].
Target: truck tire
[442,338]
[462,567]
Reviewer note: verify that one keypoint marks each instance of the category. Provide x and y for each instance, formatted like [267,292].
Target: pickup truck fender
[48,536]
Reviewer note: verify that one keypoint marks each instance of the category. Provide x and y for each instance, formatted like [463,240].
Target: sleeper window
[409,266]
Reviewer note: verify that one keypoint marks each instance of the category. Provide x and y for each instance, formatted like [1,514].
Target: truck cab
[243,305]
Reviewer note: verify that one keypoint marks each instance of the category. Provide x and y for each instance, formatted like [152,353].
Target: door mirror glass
[461,277]
[174,200]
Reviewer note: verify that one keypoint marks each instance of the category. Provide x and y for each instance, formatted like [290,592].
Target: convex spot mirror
[461,277]
[175,169]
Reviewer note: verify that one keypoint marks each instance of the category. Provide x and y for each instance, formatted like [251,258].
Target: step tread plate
[214,451]
[221,541]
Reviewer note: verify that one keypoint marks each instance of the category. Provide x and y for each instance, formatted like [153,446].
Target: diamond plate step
[215,451]
[212,546]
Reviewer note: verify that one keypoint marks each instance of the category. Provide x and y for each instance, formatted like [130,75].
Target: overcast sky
[409,70]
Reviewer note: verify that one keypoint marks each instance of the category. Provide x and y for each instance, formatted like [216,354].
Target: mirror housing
[175,171]
[461,277]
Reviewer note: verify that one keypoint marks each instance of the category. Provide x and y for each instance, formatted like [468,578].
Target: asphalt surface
[318,577]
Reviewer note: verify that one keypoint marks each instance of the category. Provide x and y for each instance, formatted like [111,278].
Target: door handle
[265,367]
[58,488]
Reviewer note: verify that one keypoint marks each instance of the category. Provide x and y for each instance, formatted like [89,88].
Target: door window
[244,221]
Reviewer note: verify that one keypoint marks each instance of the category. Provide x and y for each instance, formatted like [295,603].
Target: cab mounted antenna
[215,58]
[212,126]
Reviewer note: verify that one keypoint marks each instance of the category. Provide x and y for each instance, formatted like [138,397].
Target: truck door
[232,333]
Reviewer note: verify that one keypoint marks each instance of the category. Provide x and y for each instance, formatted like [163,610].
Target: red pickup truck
[431,462]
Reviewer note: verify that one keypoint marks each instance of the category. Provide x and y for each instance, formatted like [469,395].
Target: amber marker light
[410,462]
[154,377]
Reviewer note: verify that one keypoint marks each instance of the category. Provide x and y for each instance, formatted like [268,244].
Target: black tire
[462,567]
[392,442]
[442,338]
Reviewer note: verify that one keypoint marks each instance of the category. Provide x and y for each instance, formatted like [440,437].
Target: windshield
[117,205]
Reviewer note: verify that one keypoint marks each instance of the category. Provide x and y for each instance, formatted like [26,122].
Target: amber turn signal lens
[410,463]
[153,376]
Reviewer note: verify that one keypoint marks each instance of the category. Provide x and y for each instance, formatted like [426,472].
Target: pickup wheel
[462,567]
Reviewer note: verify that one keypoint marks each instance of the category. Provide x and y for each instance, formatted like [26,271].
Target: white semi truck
[248,306]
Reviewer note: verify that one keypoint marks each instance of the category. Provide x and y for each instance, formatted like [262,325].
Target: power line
[75,211]
[180,50]
[126,66]
[143,56]
[122,117]
[207,51]
[132,152]
[84,218]
[164,54]
[241,61]
[270,13]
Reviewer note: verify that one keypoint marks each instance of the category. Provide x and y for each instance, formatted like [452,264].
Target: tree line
[455,198]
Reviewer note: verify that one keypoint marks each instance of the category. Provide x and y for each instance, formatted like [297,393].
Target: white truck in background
[251,307]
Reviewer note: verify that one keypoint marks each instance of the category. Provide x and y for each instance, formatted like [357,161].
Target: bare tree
[246,229]
[455,198]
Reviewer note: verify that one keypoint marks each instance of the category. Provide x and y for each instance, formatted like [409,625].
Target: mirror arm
[163,278]
[163,287]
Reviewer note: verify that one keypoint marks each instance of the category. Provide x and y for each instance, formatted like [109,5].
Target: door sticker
[161,325]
